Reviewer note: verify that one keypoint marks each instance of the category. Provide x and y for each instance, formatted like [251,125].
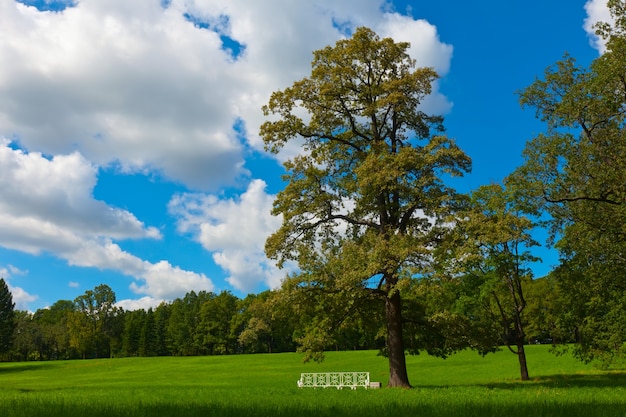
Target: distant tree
[541,312]
[266,323]
[147,339]
[495,254]
[134,322]
[444,314]
[7,317]
[184,338]
[161,318]
[28,341]
[53,322]
[216,315]
[576,172]
[82,334]
[94,325]
[365,201]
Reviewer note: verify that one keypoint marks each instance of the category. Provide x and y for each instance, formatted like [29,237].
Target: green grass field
[265,385]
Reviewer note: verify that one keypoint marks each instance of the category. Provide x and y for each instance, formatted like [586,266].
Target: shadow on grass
[611,379]
[322,410]
[11,368]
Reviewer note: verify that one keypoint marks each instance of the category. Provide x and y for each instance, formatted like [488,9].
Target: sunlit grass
[265,385]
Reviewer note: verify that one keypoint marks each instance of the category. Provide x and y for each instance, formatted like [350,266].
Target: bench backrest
[334,379]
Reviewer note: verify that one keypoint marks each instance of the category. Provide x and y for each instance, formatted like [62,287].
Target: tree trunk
[521,354]
[395,344]
[519,341]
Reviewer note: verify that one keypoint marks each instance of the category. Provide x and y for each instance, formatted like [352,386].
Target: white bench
[337,380]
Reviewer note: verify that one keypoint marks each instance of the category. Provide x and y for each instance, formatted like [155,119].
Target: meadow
[265,385]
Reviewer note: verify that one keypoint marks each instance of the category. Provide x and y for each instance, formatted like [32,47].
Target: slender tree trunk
[519,341]
[520,335]
[395,344]
[521,354]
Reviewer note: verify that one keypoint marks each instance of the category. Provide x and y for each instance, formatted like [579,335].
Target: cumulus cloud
[158,88]
[21,298]
[47,205]
[234,230]
[121,81]
[166,281]
[597,11]
[143,303]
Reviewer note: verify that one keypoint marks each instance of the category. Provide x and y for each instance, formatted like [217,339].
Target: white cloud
[134,83]
[120,81]
[597,11]
[43,198]
[166,281]
[161,279]
[47,205]
[143,303]
[13,271]
[234,230]
[427,50]
[21,298]
[426,47]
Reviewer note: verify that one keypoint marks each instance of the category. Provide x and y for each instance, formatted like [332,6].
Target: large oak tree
[365,202]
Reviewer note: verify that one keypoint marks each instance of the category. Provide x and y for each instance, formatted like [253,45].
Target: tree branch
[581,198]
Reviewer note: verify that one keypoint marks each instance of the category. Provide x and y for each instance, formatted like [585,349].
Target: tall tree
[576,171]
[27,340]
[161,318]
[265,323]
[365,202]
[53,322]
[134,322]
[7,317]
[93,325]
[214,327]
[148,339]
[184,338]
[496,252]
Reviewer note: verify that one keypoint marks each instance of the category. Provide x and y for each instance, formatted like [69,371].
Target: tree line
[203,323]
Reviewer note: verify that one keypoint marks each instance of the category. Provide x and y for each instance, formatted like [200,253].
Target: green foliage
[491,255]
[267,325]
[184,317]
[592,308]
[94,325]
[576,171]
[198,324]
[7,317]
[46,333]
[134,338]
[541,314]
[365,202]
[216,315]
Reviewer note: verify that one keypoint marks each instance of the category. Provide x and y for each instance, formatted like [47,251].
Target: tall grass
[265,385]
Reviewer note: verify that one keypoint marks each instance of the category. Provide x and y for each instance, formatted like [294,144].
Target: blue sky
[129,148]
